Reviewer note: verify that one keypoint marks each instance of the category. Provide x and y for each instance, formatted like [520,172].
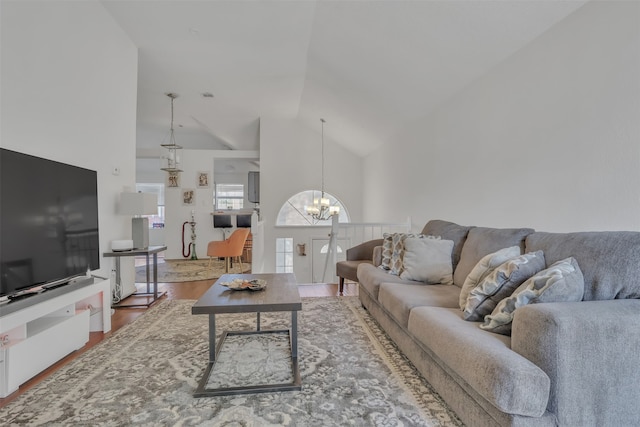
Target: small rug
[185,270]
[146,372]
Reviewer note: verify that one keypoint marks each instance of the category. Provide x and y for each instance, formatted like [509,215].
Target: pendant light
[322,209]
[173,156]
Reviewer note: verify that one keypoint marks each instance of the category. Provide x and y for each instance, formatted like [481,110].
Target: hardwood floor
[187,290]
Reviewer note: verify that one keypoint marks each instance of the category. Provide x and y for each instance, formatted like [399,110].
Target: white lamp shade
[138,203]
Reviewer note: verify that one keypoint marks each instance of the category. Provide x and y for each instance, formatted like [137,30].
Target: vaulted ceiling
[367,67]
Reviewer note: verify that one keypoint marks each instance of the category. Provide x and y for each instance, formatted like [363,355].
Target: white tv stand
[39,330]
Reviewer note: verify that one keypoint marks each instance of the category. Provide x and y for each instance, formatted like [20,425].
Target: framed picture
[188,196]
[202,180]
[173,179]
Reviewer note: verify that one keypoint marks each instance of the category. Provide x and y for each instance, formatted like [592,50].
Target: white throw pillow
[397,248]
[483,268]
[428,260]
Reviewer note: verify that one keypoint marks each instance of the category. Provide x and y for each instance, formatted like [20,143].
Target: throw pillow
[483,268]
[386,251]
[500,284]
[562,282]
[428,260]
[397,250]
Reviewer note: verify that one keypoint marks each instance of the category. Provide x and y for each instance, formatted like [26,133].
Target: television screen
[48,221]
[222,221]
[243,221]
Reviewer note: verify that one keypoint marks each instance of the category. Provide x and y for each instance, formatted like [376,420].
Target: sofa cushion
[608,260]
[448,231]
[562,282]
[482,360]
[482,241]
[398,299]
[501,283]
[427,260]
[370,278]
[483,268]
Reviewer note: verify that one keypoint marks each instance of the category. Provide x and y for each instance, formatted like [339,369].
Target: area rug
[146,372]
[185,270]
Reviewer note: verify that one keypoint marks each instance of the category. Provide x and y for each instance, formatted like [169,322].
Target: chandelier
[173,158]
[322,209]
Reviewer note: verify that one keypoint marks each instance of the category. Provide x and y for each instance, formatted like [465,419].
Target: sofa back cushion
[609,260]
[482,241]
[448,231]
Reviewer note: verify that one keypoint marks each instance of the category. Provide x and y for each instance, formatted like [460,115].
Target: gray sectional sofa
[565,363]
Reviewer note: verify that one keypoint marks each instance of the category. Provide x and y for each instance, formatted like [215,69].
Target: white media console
[39,330]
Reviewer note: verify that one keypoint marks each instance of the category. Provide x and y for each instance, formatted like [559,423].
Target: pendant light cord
[172,114]
[172,139]
[323,121]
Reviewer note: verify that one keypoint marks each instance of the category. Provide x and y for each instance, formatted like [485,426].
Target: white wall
[549,139]
[290,162]
[69,85]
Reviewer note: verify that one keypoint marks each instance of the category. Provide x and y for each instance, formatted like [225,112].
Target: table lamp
[139,204]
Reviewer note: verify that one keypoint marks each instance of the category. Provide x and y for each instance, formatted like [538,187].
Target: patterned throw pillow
[483,268]
[427,260]
[500,284]
[397,251]
[386,251]
[562,282]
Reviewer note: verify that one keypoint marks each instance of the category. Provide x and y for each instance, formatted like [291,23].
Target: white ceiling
[367,67]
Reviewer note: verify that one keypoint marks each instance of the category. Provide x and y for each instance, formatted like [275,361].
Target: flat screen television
[243,221]
[48,222]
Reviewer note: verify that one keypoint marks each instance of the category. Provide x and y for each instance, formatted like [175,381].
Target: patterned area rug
[145,374]
[179,270]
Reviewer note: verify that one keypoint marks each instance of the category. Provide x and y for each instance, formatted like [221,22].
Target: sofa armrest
[589,350]
[363,250]
[377,256]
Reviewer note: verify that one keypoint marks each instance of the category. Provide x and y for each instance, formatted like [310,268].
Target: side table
[151,297]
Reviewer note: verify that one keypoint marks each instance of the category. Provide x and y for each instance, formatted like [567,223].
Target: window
[284,255]
[157,220]
[229,196]
[325,249]
[293,211]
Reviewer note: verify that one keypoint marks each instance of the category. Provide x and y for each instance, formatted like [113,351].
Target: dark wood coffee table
[281,294]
